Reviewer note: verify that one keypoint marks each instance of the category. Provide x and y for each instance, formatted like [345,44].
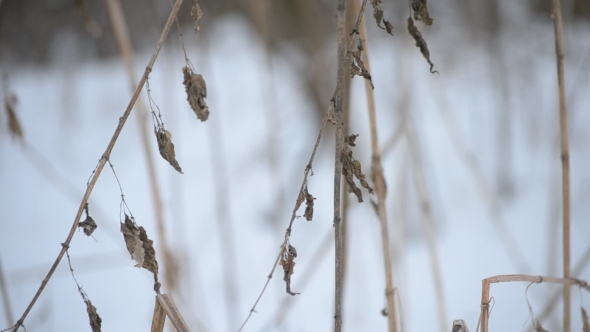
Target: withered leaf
[351,139]
[585,320]
[88,225]
[14,126]
[421,11]
[378,15]
[358,66]
[95,321]
[308,204]
[166,147]
[196,91]
[351,168]
[196,14]
[288,263]
[140,247]
[420,43]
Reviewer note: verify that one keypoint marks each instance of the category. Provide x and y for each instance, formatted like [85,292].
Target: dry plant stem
[338,112]
[172,312]
[117,18]
[425,207]
[380,189]
[485,291]
[159,317]
[339,83]
[105,156]
[565,166]
[5,298]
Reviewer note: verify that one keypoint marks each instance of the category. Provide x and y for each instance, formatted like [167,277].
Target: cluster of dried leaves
[357,66]
[304,195]
[166,147]
[420,14]
[378,15]
[196,91]
[88,225]
[288,263]
[140,247]
[351,168]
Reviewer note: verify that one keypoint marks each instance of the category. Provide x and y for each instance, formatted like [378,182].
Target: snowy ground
[70,110]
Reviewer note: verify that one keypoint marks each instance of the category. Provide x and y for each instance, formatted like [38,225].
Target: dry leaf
[358,66]
[351,139]
[95,321]
[351,168]
[308,204]
[288,263]
[140,247]
[378,15]
[420,42]
[459,325]
[88,225]
[585,320]
[13,124]
[421,11]
[196,14]
[166,147]
[196,91]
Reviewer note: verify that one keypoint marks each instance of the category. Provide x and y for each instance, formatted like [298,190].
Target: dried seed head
[196,90]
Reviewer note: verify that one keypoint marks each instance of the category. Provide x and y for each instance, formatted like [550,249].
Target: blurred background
[484,135]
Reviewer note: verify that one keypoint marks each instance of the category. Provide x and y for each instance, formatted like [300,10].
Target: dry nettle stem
[565,166]
[105,156]
[338,111]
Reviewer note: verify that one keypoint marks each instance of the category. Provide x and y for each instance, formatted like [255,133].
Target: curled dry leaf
[421,11]
[420,42]
[585,320]
[14,126]
[196,91]
[166,147]
[140,247]
[288,263]
[351,168]
[196,14]
[351,139]
[357,66]
[95,321]
[308,204]
[459,325]
[88,225]
[378,15]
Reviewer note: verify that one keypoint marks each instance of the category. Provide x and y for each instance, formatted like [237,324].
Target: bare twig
[329,114]
[425,206]
[380,188]
[565,166]
[485,292]
[102,163]
[5,298]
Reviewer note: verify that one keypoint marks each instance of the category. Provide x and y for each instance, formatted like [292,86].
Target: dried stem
[117,18]
[105,156]
[5,297]
[565,166]
[426,208]
[159,317]
[485,291]
[380,188]
[328,115]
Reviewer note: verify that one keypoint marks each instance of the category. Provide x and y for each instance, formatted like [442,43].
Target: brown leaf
[140,247]
[351,168]
[585,320]
[166,147]
[351,139]
[308,204]
[13,124]
[88,225]
[378,15]
[196,14]
[358,66]
[421,11]
[420,42]
[95,321]
[288,263]
[196,91]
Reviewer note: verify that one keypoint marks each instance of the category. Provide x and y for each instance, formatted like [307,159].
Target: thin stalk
[380,188]
[5,298]
[426,208]
[103,160]
[338,112]
[565,163]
